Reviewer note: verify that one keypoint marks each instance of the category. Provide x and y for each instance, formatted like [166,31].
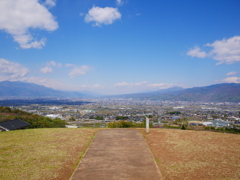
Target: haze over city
[120,46]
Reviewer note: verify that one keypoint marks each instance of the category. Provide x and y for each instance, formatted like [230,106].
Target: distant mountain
[17,89]
[214,93]
[150,94]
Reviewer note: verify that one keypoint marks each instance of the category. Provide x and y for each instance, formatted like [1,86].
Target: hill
[147,95]
[214,93]
[17,89]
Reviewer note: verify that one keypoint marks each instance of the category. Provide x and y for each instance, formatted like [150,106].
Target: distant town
[99,112]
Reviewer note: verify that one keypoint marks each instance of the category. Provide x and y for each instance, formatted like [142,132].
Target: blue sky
[120,46]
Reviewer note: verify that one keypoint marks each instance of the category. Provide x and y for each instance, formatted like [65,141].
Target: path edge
[84,155]
[158,170]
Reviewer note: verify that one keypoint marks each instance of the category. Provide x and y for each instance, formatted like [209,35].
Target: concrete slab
[117,154]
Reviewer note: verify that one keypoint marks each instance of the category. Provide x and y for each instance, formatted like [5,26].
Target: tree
[72,119]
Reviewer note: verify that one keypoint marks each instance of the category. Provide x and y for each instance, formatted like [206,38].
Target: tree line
[36,121]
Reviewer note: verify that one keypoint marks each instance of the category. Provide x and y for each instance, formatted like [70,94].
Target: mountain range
[17,89]
[229,92]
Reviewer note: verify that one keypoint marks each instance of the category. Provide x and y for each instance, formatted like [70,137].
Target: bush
[126,124]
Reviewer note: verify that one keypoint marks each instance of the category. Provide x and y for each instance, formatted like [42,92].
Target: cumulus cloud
[18,17]
[11,71]
[231,73]
[78,71]
[46,70]
[231,80]
[225,50]
[100,16]
[196,52]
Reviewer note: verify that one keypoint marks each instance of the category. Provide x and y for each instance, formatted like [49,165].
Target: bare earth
[184,154]
[120,154]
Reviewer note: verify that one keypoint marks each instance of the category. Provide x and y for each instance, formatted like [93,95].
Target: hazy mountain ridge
[17,89]
[150,94]
[216,93]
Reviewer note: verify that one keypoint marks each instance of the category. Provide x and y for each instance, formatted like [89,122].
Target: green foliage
[180,121]
[99,118]
[150,116]
[5,109]
[175,112]
[127,124]
[121,118]
[172,127]
[35,120]
[226,129]
[72,119]
[215,116]
[183,127]
[209,128]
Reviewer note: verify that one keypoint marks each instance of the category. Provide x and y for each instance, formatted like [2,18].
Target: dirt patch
[184,154]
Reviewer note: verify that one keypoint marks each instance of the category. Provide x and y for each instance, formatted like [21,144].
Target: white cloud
[100,16]
[231,73]
[163,85]
[18,17]
[11,71]
[143,86]
[124,84]
[53,63]
[231,80]
[82,14]
[46,70]
[224,51]
[119,2]
[146,85]
[78,71]
[196,52]
[69,65]
[95,86]
[50,3]
[48,82]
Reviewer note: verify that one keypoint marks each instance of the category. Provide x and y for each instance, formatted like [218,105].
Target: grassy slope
[195,154]
[54,153]
[42,153]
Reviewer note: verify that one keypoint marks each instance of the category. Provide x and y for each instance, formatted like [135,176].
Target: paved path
[120,154]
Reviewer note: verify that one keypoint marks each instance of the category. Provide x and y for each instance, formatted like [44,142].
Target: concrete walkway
[117,154]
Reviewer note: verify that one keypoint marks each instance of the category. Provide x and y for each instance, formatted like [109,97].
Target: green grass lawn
[42,153]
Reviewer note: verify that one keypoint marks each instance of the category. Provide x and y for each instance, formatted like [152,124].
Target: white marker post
[147,124]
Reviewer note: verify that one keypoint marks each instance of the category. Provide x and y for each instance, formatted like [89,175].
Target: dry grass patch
[42,153]
[195,154]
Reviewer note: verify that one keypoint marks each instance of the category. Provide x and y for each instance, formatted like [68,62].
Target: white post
[147,124]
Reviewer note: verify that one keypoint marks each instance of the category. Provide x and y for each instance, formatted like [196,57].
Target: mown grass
[42,153]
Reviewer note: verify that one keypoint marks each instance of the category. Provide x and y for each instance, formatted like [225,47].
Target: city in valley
[99,112]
